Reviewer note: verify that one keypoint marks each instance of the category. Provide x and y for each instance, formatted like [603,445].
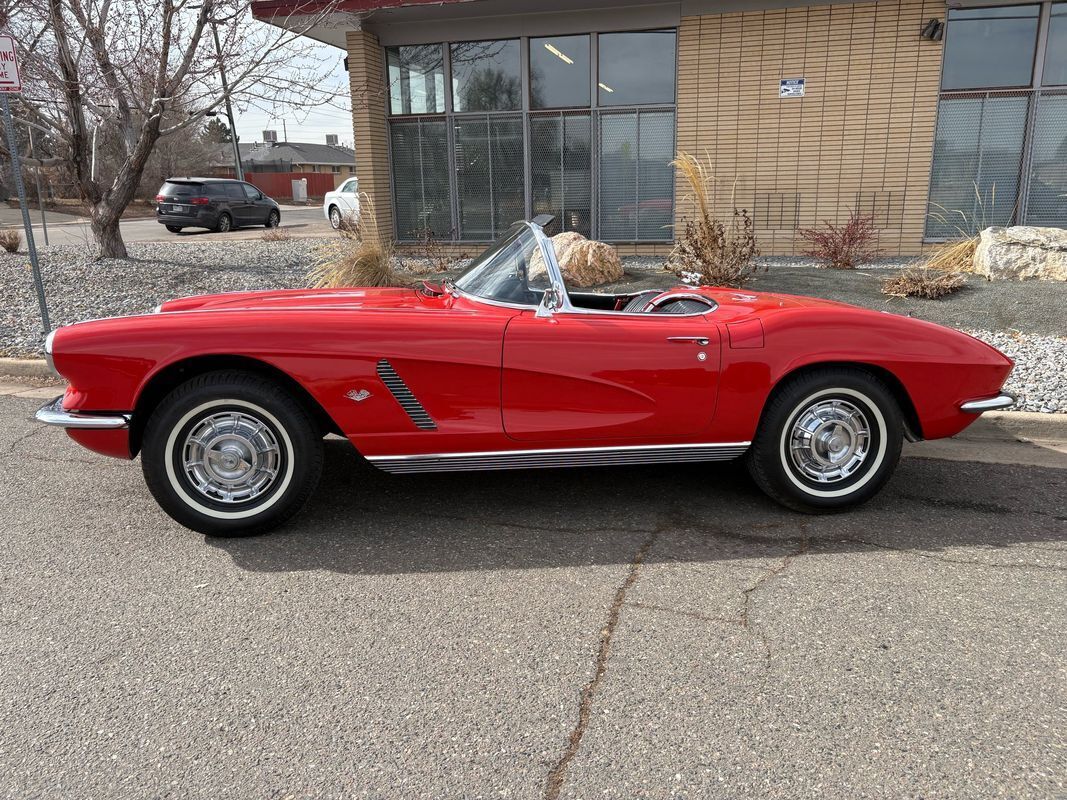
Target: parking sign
[9,66]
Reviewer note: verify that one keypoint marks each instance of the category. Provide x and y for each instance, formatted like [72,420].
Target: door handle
[703,341]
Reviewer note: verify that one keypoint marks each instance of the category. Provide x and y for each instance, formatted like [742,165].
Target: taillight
[160,198]
[199,201]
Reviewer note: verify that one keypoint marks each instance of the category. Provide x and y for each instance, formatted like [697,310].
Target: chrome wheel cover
[335,218]
[829,441]
[231,457]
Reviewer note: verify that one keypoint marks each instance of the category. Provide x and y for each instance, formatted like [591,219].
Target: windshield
[511,271]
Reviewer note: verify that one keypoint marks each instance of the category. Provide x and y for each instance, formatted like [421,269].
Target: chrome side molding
[53,414]
[560,457]
[989,404]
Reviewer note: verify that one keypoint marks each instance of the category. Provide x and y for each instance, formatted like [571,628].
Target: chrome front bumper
[989,404]
[53,414]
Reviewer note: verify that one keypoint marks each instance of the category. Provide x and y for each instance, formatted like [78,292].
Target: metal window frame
[1033,91]
[594,111]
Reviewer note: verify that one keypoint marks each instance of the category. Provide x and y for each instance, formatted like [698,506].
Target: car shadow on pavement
[363,521]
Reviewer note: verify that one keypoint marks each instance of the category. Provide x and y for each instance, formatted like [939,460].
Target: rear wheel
[231,454]
[224,224]
[174,228]
[829,440]
[273,219]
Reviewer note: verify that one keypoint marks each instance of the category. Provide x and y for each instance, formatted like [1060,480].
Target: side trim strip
[560,457]
[403,395]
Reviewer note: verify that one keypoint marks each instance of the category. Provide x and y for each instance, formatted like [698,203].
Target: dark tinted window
[214,190]
[990,47]
[416,79]
[485,76]
[250,191]
[1056,50]
[180,189]
[636,68]
[559,72]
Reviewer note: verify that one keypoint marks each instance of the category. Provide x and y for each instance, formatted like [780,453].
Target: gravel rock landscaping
[1026,320]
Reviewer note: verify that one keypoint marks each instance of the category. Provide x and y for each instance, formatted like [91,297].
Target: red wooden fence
[279,185]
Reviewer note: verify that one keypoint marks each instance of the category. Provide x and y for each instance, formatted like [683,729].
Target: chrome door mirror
[551,301]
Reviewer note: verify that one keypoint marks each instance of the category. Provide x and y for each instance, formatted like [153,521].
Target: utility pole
[229,109]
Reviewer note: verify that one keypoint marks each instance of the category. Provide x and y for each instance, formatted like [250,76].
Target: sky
[304,125]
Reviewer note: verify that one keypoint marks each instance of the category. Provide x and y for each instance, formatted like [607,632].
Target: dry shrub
[930,284]
[845,246]
[954,256]
[10,240]
[430,254]
[361,256]
[277,235]
[709,251]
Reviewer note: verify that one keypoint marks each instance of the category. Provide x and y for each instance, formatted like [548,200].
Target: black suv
[220,204]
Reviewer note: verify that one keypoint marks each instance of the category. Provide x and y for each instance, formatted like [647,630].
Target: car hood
[297,299]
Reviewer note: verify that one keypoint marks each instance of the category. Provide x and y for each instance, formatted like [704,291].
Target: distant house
[295,157]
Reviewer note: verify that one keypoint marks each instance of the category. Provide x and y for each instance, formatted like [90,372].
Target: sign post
[10,83]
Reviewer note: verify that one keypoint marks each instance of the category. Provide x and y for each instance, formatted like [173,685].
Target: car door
[257,206]
[583,376]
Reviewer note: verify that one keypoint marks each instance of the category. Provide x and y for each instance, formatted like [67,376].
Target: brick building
[469,114]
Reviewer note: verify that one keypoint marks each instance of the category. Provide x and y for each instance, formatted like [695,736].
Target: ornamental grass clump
[845,246]
[928,284]
[360,256]
[10,240]
[276,235]
[709,251]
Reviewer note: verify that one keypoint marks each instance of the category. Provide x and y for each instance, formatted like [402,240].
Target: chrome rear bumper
[989,404]
[53,414]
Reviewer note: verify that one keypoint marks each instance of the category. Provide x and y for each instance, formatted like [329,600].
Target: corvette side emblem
[359,396]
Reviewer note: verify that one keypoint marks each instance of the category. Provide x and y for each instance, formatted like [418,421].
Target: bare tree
[119,69]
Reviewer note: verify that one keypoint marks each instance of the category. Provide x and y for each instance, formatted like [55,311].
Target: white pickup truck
[342,204]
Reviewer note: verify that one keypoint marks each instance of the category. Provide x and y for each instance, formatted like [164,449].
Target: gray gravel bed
[1025,320]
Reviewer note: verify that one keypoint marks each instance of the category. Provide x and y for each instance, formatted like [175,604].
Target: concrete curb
[25,368]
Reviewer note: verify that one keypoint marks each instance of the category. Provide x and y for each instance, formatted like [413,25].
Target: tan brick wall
[369,130]
[863,130]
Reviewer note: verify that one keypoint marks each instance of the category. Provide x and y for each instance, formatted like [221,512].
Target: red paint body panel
[499,378]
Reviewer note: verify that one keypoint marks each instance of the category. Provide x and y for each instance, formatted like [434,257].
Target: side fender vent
[412,407]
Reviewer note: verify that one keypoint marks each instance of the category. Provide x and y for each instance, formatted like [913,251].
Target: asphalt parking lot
[638,632]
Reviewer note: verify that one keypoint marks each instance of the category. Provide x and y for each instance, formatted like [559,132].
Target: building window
[471,161]
[486,76]
[490,171]
[336,169]
[559,72]
[636,68]
[636,177]
[421,196]
[561,170]
[1055,73]
[1001,137]
[416,79]
[1046,202]
[987,48]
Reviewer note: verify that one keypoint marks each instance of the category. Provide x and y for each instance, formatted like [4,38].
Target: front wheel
[231,454]
[335,217]
[273,219]
[828,440]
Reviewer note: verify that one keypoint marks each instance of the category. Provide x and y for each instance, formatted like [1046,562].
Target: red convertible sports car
[227,397]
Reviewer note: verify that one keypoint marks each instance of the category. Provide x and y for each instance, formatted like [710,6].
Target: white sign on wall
[9,66]
[791,87]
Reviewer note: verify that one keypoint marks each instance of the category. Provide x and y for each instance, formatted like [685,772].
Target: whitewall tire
[828,440]
[231,454]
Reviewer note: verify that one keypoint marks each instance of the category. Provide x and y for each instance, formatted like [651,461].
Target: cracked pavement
[636,632]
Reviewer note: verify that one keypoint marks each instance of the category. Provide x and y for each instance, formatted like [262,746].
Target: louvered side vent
[412,407]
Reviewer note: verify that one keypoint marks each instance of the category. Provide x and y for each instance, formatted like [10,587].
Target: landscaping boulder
[1021,252]
[584,262]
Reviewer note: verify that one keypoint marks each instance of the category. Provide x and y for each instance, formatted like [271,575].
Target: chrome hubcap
[231,457]
[335,218]
[829,441]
